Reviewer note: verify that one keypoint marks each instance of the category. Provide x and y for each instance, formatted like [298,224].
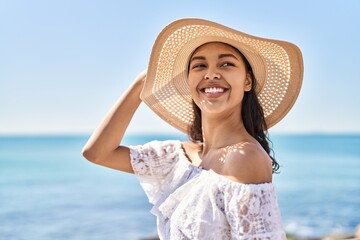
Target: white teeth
[213,90]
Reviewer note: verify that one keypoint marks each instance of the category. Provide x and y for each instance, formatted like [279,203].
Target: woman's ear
[248,82]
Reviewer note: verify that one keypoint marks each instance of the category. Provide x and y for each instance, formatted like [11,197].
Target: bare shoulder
[191,146]
[191,150]
[248,163]
[188,145]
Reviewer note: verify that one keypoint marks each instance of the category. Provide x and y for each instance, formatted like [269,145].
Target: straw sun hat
[277,66]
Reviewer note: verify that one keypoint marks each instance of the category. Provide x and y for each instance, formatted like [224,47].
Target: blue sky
[64,63]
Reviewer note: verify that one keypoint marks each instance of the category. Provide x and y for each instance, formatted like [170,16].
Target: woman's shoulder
[191,146]
[191,151]
[247,162]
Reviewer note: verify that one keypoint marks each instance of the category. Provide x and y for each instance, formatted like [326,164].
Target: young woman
[224,88]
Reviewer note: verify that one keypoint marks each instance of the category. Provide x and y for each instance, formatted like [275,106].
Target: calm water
[48,191]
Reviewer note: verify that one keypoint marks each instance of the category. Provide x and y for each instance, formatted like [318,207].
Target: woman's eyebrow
[224,55]
[197,58]
[227,55]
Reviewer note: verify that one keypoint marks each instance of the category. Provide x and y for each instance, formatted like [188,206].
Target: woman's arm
[103,146]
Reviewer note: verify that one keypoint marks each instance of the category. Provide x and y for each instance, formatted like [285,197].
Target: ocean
[49,191]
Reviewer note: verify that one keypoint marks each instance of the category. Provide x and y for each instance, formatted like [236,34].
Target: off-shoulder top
[194,203]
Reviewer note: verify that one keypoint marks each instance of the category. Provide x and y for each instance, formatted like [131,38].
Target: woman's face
[218,78]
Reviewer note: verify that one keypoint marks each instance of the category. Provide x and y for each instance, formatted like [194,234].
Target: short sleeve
[252,212]
[154,164]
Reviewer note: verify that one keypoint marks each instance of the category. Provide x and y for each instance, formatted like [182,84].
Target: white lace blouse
[193,203]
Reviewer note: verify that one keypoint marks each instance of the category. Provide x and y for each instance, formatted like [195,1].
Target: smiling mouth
[213,92]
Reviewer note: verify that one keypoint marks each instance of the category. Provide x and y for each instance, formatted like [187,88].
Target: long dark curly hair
[252,115]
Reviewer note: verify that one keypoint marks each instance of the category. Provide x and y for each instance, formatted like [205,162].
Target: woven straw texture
[277,66]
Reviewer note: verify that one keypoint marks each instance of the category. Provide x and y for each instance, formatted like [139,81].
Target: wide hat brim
[277,66]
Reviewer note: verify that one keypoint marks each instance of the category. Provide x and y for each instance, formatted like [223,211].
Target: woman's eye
[227,64]
[200,65]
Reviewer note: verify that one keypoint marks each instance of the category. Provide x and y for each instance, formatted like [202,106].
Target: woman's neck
[222,130]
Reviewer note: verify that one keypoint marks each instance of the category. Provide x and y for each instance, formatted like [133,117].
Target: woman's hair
[251,113]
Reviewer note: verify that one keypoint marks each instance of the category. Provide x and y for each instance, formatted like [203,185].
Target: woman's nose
[212,74]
